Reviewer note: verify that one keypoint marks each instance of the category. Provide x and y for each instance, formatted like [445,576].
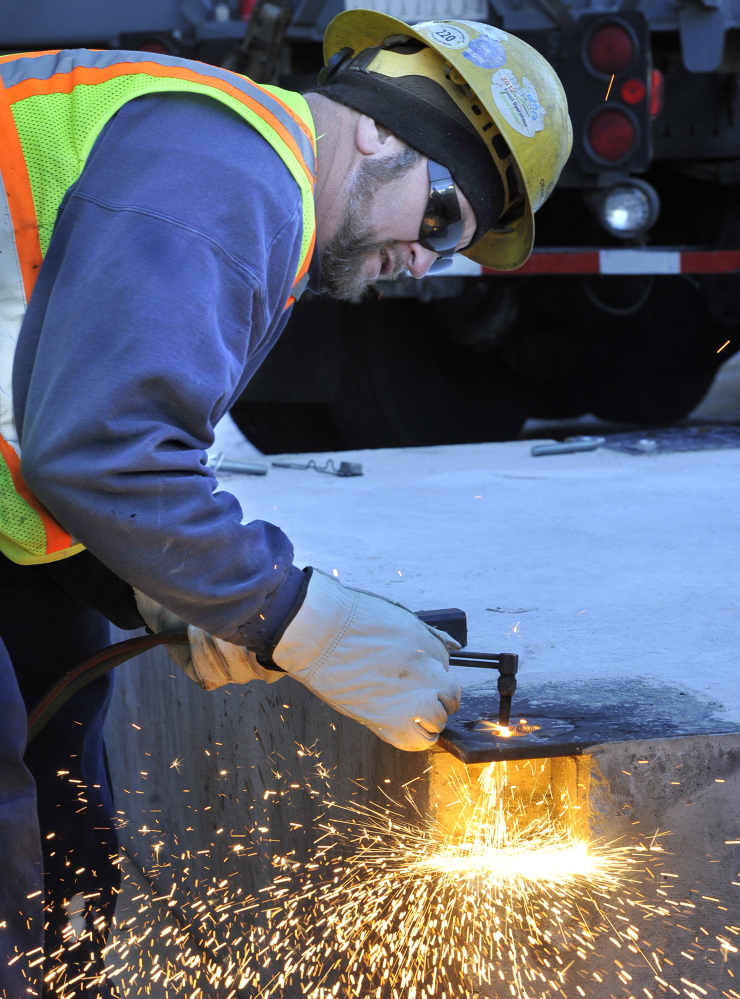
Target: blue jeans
[46,632]
[21,917]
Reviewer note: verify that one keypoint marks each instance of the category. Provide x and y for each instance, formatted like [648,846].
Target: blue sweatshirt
[162,291]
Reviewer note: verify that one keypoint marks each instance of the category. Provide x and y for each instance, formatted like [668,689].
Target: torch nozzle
[504,710]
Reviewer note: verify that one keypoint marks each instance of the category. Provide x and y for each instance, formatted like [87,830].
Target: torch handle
[507,664]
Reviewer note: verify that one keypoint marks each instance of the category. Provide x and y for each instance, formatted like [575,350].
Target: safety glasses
[442,225]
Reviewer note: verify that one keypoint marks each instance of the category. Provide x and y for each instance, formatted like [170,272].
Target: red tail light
[633,91]
[610,49]
[612,134]
[657,83]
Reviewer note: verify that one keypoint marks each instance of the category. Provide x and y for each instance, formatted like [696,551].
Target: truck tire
[401,383]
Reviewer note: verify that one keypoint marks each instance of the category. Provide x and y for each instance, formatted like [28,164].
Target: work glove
[208,661]
[371,659]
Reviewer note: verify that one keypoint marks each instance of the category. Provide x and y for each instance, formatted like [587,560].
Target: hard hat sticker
[447,35]
[518,102]
[486,53]
[487,29]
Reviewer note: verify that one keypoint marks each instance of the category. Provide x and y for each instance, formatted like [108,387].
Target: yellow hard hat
[504,87]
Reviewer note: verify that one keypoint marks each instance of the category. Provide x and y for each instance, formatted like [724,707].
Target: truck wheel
[405,384]
[401,382]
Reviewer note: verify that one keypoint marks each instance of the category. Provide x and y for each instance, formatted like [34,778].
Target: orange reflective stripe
[56,537]
[64,83]
[20,199]
[306,260]
[303,270]
[288,110]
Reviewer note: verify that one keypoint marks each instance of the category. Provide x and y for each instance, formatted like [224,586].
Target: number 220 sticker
[447,35]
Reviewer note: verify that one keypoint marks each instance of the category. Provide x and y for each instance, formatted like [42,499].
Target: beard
[345,255]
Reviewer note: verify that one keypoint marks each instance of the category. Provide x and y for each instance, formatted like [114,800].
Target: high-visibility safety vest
[53,106]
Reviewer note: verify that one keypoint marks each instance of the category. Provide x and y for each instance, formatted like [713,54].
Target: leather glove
[208,661]
[371,659]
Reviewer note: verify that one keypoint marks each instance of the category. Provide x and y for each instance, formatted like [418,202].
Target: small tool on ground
[220,463]
[346,468]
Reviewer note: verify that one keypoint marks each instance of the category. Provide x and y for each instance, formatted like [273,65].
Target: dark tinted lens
[441,264]
[442,225]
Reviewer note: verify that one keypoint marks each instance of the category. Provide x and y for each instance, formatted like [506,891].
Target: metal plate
[573,717]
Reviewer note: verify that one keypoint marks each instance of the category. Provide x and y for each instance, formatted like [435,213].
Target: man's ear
[373,139]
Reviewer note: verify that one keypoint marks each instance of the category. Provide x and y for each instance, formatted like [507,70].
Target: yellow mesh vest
[53,107]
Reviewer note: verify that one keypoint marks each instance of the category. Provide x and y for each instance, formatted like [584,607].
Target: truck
[629,303]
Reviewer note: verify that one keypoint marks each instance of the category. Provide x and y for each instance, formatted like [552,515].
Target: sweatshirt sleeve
[163,289]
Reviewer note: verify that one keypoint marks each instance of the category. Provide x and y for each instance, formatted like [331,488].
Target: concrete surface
[606,572]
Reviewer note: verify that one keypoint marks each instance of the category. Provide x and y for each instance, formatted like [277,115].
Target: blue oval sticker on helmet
[486,53]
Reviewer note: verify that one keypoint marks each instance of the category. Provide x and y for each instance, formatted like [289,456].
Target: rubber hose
[90,669]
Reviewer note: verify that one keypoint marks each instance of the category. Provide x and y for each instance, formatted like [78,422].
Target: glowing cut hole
[506,731]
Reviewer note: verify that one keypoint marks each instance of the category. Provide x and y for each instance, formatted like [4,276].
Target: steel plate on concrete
[571,718]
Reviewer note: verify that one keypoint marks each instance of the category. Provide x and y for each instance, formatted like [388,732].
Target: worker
[159,218]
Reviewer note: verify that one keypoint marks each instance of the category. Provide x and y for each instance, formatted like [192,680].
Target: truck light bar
[656,260]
